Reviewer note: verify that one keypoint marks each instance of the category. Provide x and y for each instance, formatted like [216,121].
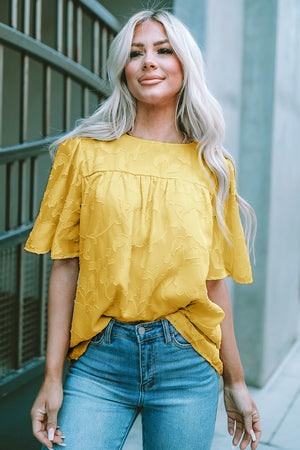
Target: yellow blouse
[140,215]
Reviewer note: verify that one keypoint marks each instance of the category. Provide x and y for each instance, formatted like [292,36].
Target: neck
[156,124]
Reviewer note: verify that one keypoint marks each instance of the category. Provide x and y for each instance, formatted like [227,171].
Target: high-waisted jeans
[139,368]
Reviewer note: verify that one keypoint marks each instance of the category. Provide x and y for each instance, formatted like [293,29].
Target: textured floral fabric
[140,216]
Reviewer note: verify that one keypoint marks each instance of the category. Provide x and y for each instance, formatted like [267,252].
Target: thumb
[248,426]
[51,424]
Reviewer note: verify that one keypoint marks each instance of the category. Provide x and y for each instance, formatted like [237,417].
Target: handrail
[25,150]
[102,14]
[52,57]
[15,236]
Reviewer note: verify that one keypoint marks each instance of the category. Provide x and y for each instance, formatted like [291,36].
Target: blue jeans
[139,368]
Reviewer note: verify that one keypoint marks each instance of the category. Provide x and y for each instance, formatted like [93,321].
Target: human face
[153,73]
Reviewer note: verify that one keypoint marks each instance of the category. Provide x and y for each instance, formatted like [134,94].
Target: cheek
[130,72]
[177,73]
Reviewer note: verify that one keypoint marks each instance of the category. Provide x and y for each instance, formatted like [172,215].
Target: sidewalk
[279,405]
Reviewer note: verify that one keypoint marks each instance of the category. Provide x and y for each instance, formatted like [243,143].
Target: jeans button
[142,330]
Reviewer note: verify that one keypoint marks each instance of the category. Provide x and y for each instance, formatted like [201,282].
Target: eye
[135,53]
[165,51]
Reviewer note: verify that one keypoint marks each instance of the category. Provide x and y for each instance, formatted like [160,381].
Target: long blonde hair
[198,113]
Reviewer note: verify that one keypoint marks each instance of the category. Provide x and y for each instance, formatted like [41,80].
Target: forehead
[149,31]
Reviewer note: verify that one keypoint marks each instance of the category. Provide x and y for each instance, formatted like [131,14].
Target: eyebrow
[138,44]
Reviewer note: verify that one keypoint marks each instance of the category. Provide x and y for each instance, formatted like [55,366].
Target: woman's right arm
[62,290]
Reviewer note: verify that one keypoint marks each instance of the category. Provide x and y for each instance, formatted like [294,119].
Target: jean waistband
[141,331]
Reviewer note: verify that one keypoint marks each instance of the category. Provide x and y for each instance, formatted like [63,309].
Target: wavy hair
[198,113]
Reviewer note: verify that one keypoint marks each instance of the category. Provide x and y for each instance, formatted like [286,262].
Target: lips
[150,79]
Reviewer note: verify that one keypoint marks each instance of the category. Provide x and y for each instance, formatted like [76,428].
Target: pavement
[279,405]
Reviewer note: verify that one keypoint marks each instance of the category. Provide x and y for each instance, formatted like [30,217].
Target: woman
[143,195]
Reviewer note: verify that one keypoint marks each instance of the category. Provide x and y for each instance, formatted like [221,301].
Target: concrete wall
[282,282]
[252,52]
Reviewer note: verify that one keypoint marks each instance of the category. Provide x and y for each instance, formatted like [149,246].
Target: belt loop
[166,328]
[108,331]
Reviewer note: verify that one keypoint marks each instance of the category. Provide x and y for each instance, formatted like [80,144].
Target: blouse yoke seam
[147,175]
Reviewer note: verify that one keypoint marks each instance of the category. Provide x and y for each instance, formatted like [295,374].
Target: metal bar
[96,59]
[27,17]
[38,20]
[47,100]
[23,174]
[59,20]
[79,36]
[25,98]
[25,150]
[105,16]
[43,297]
[14,13]
[12,192]
[53,57]
[15,236]
[20,377]
[20,307]
[103,52]
[68,98]
[34,188]
[85,102]
[70,13]
[1,91]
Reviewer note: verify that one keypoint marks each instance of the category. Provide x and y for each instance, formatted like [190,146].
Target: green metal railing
[52,72]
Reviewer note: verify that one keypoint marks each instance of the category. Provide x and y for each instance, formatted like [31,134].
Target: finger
[254,444]
[38,426]
[230,426]
[58,438]
[245,441]
[238,433]
[256,433]
[253,428]
[51,423]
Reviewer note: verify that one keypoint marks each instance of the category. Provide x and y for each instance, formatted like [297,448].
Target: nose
[149,62]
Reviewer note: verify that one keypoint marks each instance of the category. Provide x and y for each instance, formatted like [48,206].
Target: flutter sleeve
[230,260]
[57,226]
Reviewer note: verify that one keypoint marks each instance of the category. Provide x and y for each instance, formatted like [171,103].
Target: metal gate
[52,71]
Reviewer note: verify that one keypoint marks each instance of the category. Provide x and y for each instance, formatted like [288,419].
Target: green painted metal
[49,77]
[52,57]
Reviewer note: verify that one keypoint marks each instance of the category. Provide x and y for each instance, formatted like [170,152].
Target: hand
[44,413]
[243,416]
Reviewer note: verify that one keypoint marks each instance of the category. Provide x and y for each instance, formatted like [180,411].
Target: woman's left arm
[243,416]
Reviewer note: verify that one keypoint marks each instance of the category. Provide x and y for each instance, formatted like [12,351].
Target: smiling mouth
[150,81]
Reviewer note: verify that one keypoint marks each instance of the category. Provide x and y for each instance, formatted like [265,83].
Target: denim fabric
[139,368]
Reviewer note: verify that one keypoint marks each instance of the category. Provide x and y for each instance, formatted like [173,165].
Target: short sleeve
[230,260]
[57,226]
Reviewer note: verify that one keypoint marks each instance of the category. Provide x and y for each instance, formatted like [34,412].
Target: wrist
[53,375]
[233,379]
[233,385]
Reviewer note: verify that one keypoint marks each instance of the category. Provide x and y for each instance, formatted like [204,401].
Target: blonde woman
[141,217]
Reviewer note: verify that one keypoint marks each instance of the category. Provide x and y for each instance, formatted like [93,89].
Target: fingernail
[233,447]
[51,434]
[63,437]
[253,435]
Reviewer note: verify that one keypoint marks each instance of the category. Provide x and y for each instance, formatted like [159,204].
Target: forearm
[233,371]
[62,290]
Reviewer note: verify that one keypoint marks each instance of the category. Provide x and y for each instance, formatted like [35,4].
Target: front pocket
[177,339]
[99,338]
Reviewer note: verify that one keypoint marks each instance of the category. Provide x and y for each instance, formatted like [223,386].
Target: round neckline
[129,136]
